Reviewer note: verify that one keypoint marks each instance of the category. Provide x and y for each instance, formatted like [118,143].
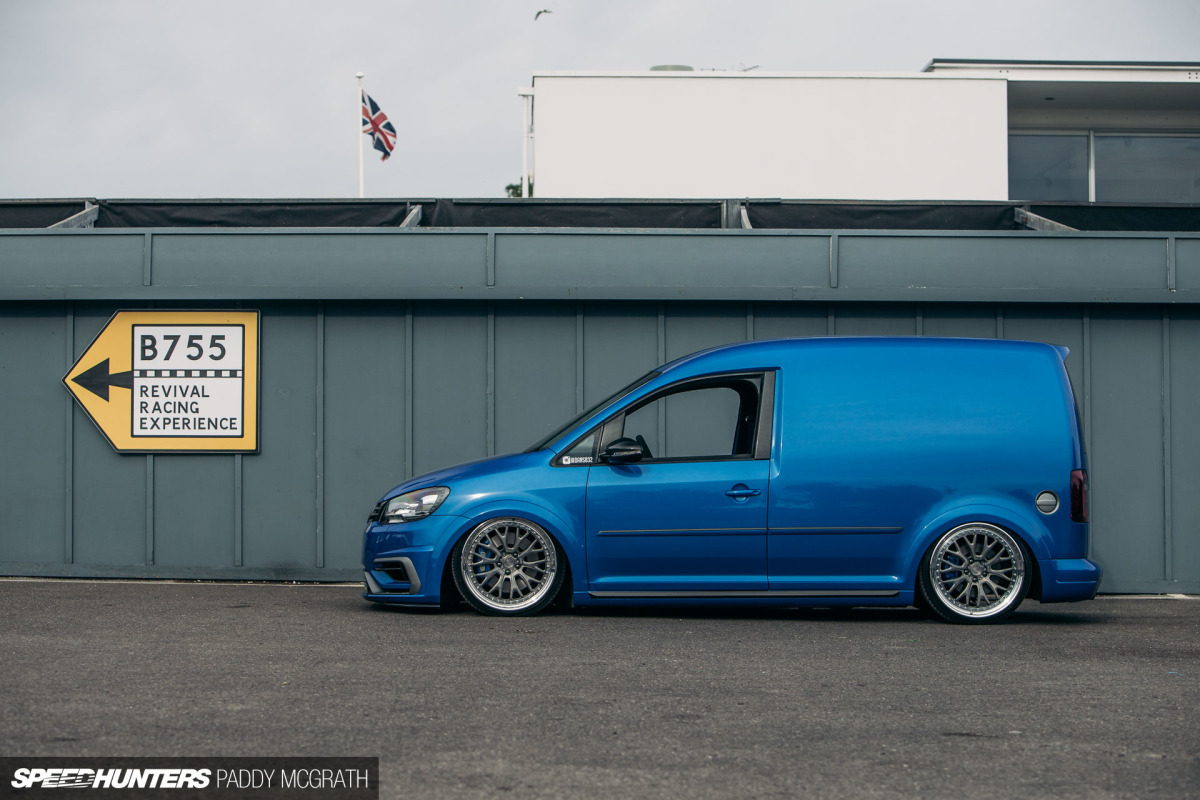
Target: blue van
[944,473]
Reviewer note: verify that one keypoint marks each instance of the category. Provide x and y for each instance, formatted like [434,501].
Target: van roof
[762,353]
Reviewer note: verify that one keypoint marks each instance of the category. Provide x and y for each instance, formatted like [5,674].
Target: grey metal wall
[375,368]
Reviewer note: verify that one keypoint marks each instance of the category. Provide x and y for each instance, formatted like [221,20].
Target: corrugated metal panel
[453,396]
[535,372]
[1127,444]
[312,259]
[1183,447]
[1186,277]
[560,264]
[193,510]
[111,494]
[366,432]
[33,433]
[59,261]
[659,259]
[279,485]
[1059,261]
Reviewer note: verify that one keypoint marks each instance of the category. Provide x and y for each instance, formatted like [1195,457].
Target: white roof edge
[1072,72]
[725,75]
[1082,66]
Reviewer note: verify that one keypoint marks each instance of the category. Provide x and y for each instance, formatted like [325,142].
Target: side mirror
[622,451]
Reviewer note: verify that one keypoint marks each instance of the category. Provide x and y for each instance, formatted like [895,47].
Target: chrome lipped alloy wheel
[977,571]
[508,565]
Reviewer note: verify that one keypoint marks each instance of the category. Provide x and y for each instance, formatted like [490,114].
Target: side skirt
[781,593]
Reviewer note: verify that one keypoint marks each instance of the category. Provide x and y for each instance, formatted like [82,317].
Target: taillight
[1079,495]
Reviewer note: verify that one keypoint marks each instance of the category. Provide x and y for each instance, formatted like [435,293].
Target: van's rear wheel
[508,566]
[976,573]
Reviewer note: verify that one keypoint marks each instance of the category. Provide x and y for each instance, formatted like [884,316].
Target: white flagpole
[359,75]
[526,95]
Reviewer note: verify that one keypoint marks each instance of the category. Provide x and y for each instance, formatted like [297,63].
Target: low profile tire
[977,573]
[508,567]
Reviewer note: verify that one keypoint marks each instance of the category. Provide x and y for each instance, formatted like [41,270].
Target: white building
[958,130]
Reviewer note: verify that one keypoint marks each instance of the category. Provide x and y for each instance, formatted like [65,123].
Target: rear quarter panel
[912,437]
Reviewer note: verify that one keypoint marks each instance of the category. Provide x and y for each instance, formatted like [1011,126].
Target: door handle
[740,493]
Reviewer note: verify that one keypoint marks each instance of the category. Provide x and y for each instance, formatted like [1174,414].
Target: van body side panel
[876,437]
[672,527]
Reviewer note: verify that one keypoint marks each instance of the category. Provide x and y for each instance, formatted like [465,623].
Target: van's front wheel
[508,566]
[975,573]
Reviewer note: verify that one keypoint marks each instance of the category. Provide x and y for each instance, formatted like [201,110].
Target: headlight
[413,505]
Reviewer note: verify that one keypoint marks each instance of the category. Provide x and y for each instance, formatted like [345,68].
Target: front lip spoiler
[393,561]
[372,585]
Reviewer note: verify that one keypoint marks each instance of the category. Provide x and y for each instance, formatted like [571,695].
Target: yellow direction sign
[173,381]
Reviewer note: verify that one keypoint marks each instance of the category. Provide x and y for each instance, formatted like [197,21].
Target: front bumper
[402,563]
[1065,580]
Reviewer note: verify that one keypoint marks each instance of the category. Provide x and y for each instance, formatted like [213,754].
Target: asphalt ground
[1090,700]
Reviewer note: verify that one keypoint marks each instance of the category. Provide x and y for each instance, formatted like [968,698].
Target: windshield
[540,444]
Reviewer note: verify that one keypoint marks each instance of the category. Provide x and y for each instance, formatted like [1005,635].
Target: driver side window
[714,418]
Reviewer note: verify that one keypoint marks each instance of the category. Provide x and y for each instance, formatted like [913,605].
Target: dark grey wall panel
[452,394]
[1184,449]
[955,319]
[33,349]
[859,319]
[1001,262]
[696,326]
[536,375]
[365,419]
[787,320]
[66,259]
[740,260]
[620,344]
[316,259]
[109,501]
[193,510]
[1127,448]
[279,484]
[110,491]
[1187,264]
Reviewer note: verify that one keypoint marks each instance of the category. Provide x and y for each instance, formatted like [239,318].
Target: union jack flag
[375,124]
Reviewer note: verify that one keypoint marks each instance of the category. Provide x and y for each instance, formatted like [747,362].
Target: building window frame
[1094,133]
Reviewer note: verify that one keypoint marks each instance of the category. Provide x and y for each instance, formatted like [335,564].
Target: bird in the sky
[543,11]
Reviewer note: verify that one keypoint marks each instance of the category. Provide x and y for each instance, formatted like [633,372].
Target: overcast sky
[257,98]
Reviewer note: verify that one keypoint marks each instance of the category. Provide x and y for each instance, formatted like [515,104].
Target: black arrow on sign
[97,380]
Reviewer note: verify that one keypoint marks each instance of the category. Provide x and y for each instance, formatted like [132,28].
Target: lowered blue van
[945,473]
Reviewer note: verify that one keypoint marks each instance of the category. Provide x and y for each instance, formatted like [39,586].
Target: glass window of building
[1045,167]
[1147,169]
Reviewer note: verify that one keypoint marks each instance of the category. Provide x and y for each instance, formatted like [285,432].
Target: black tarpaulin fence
[550,213]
